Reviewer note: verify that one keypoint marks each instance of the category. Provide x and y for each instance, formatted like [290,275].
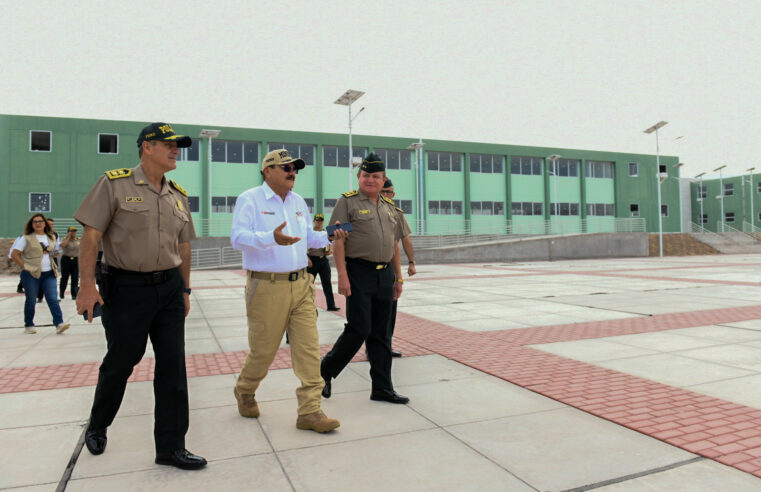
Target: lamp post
[655,129]
[210,134]
[752,216]
[700,199]
[720,196]
[347,99]
[681,209]
[554,159]
[417,147]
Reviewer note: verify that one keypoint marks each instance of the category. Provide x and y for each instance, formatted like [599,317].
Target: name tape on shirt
[134,199]
[364,211]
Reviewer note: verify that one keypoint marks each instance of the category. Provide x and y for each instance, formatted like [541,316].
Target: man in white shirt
[269,224]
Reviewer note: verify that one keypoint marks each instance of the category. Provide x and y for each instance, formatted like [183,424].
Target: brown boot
[247,405]
[316,421]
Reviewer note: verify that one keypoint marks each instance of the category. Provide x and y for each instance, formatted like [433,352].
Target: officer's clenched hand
[397,290]
[283,239]
[344,288]
[86,298]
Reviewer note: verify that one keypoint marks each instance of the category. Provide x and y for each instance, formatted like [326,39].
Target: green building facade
[49,164]
[738,197]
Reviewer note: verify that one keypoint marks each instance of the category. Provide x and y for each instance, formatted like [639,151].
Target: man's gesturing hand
[282,239]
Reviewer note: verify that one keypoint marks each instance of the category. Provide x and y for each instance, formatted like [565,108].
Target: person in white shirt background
[271,227]
[33,253]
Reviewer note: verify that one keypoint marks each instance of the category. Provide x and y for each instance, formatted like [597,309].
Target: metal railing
[226,257]
[723,227]
[752,230]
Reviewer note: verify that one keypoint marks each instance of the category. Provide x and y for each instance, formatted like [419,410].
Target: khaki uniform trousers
[273,306]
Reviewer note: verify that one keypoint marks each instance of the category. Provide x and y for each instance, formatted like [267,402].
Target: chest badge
[134,199]
[364,211]
[179,206]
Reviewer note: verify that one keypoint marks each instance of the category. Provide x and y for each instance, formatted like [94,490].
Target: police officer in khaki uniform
[388,192]
[70,263]
[144,223]
[319,265]
[368,262]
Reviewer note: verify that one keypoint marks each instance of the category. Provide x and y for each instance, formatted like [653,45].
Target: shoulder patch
[178,187]
[351,193]
[119,173]
[388,200]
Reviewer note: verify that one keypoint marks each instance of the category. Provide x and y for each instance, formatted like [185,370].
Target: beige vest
[32,255]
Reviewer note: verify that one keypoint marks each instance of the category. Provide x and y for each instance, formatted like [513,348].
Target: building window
[234,152]
[444,207]
[405,205]
[395,159]
[487,208]
[310,204]
[633,169]
[303,152]
[223,204]
[192,153]
[528,166]
[758,187]
[486,163]
[634,209]
[527,208]
[664,210]
[662,169]
[600,169]
[565,208]
[729,189]
[108,143]
[339,156]
[565,168]
[703,219]
[328,204]
[40,141]
[194,203]
[729,216]
[601,210]
[39,202]
[444,161]
[702,191]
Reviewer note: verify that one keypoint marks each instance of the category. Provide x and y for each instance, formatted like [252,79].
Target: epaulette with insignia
[399,209]
[119,173]
[178,187]
[351,193]
[388,200]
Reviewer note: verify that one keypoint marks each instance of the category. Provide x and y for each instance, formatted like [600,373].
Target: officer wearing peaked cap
[145,226]
[367,262]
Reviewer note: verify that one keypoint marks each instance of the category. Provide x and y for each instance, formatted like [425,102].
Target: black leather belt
[128,277]
[372,264]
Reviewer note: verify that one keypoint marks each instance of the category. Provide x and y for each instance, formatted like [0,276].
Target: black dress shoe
[394,353]
[181,458]
[334,308]
[95,440]
[327,390]
[390,396]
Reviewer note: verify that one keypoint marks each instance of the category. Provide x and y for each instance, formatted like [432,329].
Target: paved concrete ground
[614,375]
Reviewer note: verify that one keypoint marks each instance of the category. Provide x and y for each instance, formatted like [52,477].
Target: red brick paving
[714,428]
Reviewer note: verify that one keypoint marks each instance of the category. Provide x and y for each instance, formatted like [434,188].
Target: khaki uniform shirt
[141,227]
[318,251]
[375,228]
[72,248]
[406,231]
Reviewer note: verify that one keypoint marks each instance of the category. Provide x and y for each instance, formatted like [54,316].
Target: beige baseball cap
[279,157]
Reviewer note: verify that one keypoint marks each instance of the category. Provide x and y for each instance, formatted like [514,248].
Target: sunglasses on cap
[288,168]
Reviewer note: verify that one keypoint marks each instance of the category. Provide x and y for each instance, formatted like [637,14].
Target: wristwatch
[412,262]
[187,291]
[400,280]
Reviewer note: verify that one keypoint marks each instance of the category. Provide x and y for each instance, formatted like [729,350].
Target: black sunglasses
[288,168]
[319,220]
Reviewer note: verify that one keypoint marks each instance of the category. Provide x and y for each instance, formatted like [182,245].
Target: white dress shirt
[258,212]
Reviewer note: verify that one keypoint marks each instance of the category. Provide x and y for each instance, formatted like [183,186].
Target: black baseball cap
[162,132]
[388,183]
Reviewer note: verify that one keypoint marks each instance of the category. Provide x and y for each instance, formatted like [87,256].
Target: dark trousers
[69,267]
[131,314]
[321,266]
[367,311]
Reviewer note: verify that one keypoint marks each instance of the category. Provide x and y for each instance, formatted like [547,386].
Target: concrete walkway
[612,375]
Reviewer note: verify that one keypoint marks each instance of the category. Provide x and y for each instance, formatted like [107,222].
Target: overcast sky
[588,74]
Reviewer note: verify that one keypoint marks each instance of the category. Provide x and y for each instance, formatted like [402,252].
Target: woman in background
[33,253]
